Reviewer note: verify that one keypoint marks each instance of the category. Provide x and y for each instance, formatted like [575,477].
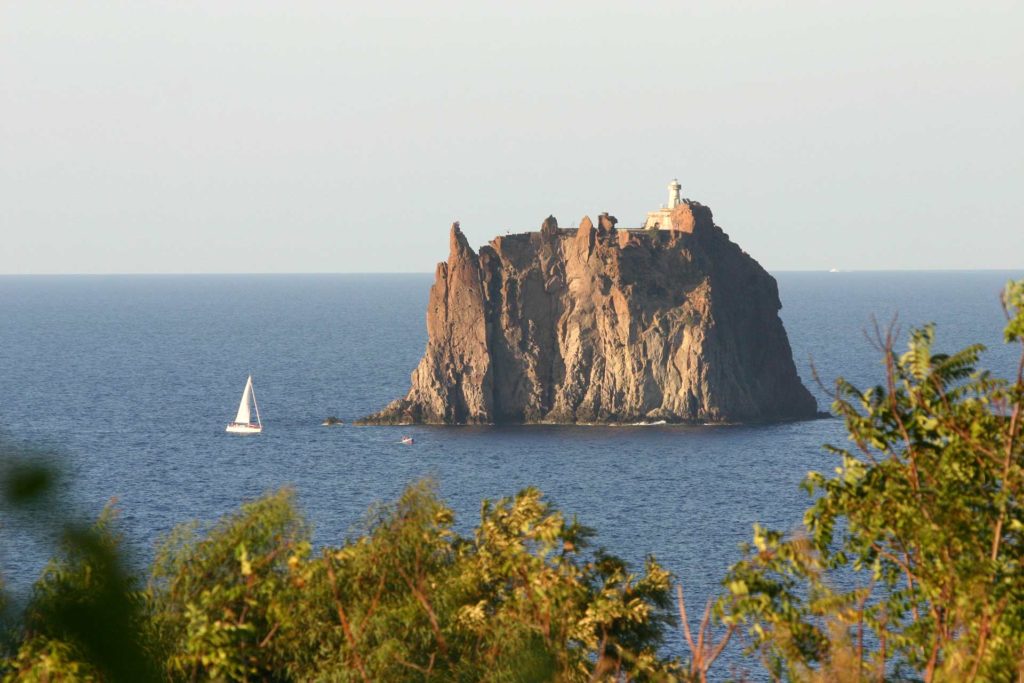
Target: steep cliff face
[604,325]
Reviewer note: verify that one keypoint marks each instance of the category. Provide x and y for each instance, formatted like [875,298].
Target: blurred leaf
[25,482]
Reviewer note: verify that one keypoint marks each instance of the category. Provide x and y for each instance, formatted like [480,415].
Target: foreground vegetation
[908,567]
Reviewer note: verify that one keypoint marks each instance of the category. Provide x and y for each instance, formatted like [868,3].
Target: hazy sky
[246,136]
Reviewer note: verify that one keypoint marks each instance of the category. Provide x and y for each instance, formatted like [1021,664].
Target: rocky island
[596,324]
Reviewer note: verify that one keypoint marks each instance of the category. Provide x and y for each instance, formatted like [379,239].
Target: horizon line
[839,271]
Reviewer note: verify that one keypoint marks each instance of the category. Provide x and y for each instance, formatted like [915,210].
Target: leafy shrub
[911,559]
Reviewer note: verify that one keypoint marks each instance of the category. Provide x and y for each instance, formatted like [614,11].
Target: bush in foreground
[519,600]
[910,564]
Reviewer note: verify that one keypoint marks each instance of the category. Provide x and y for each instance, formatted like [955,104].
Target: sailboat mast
[254,404]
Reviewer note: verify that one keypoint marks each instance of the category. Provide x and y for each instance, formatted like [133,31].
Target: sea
[128,382]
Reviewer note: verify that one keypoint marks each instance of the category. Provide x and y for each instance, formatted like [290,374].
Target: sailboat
[243,420]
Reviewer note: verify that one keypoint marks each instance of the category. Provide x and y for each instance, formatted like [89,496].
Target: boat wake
[640,424]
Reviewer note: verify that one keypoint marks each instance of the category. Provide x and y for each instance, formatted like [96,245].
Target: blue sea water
[131,379]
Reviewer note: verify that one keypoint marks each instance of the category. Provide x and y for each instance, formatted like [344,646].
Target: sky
[262,137]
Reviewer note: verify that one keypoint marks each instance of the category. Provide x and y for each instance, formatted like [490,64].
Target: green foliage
[1013,304]
[84,620]
[409,599]
[45,660]
[212,600]
[84,587]
[912,557]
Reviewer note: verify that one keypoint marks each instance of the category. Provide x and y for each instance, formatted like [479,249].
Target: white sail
[243,407]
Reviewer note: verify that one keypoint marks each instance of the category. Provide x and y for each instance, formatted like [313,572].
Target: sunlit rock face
[604,325]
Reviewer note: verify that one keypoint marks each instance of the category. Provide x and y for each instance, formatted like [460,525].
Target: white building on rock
[662,218]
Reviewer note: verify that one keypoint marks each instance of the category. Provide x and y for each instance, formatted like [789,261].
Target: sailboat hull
[239,428]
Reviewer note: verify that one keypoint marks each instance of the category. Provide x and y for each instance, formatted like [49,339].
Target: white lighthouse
[674,199]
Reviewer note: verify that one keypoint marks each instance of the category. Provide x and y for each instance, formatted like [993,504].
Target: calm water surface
[131,379]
